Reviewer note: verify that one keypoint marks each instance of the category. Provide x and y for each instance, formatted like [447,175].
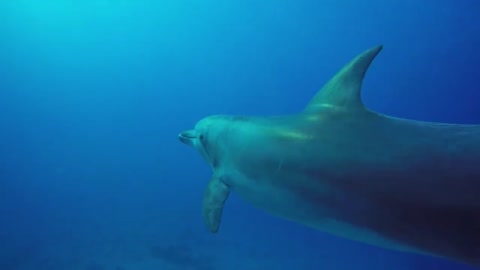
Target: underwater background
[94,93]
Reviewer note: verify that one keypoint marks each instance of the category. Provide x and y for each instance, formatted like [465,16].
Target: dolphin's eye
[201,137]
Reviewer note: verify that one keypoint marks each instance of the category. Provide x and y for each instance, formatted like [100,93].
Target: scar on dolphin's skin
[341,168]
[280,164]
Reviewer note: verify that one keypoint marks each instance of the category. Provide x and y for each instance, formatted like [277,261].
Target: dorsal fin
[343,90]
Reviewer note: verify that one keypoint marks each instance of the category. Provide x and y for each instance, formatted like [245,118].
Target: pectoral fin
[213,200]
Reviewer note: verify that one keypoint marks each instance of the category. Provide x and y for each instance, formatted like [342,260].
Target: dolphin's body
[343,169]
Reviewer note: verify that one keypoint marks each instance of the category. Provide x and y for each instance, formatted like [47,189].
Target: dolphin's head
[207,136]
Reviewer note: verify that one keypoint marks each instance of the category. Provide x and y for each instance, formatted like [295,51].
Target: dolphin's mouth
[188,136]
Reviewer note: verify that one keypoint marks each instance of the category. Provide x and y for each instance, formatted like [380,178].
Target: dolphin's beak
[188,136]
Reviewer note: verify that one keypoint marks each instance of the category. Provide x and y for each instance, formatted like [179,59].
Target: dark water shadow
[183,256]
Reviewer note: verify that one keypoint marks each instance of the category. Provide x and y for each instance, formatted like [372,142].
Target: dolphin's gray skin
[343,169]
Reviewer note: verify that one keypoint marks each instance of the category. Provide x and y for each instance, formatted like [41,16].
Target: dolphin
[336,166]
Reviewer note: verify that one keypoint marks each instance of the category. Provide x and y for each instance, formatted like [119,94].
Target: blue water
[94,93]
